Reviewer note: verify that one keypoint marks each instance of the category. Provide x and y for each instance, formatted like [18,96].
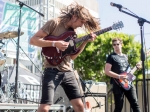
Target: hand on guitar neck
[138,65]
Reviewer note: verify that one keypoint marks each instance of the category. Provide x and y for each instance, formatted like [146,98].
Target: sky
[109,14]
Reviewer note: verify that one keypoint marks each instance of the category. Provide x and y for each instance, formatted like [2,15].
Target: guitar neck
[134,69]
[86,37]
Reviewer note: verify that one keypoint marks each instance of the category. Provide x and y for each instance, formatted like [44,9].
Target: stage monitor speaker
[99,92]
[96,87]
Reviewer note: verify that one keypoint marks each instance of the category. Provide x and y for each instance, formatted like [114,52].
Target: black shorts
[52,78]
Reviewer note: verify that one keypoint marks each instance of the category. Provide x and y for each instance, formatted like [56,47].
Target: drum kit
[3,36]
[7,89]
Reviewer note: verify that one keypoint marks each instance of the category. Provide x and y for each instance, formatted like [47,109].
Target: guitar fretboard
[134,69]
[86,37]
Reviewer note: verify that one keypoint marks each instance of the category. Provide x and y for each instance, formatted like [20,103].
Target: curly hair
[91,24]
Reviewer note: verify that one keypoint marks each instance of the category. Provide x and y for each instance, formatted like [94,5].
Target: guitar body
[130,76]
[55,56]
[124,84]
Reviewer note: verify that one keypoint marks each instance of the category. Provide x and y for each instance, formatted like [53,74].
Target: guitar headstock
[117,25]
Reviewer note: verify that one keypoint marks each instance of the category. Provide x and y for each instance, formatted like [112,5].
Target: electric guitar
[126,84]
[54,56]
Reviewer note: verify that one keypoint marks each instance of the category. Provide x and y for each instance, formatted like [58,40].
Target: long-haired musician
[71,17]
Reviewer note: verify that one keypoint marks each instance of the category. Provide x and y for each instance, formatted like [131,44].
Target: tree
[90,63]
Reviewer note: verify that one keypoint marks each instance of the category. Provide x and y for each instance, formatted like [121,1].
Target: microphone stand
[17,55]
[98,104]
[141,22]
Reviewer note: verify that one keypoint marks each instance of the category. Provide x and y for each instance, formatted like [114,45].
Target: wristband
[118,76]
[53,43]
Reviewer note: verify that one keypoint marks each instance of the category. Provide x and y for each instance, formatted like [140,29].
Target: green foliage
[90,64]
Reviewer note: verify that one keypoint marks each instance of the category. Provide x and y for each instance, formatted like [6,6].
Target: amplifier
[96,91]
[98,106]
[95,87]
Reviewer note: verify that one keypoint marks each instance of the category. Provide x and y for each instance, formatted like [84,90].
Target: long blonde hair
[91,24]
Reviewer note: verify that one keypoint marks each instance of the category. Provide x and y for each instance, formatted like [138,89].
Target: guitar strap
[128,67]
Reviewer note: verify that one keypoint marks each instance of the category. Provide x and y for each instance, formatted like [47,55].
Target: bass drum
[2,61]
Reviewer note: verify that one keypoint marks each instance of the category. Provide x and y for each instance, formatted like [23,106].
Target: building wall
[87,4]
[58,4]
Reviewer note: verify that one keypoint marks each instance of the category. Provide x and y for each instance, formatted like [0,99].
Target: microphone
[117,5]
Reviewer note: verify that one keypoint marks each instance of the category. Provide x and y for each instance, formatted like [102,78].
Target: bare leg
[43,108]
[77,105]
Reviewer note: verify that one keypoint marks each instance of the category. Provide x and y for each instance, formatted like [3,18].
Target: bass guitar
[126,84]
[54,56]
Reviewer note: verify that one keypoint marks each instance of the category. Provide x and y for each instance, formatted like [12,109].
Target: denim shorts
[52,78]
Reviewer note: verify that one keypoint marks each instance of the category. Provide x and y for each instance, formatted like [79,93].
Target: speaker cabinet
[99,92]
[98,106]
[96,87]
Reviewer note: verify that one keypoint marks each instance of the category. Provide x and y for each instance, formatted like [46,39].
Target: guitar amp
[95,87]
[98,90]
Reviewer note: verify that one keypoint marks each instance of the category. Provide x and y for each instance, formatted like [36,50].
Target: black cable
[35,67]
[29,58]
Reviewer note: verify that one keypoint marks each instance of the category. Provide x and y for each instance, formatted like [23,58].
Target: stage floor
[34,107]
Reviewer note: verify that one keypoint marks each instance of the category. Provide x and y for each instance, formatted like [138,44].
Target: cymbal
[10,34]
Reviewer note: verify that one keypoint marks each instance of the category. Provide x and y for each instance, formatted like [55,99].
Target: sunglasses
[116,44]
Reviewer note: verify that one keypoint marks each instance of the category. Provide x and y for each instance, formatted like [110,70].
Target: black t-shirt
[119,63]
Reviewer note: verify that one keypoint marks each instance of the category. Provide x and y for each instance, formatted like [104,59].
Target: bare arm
[82,46]
[38,40]
[111,73]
